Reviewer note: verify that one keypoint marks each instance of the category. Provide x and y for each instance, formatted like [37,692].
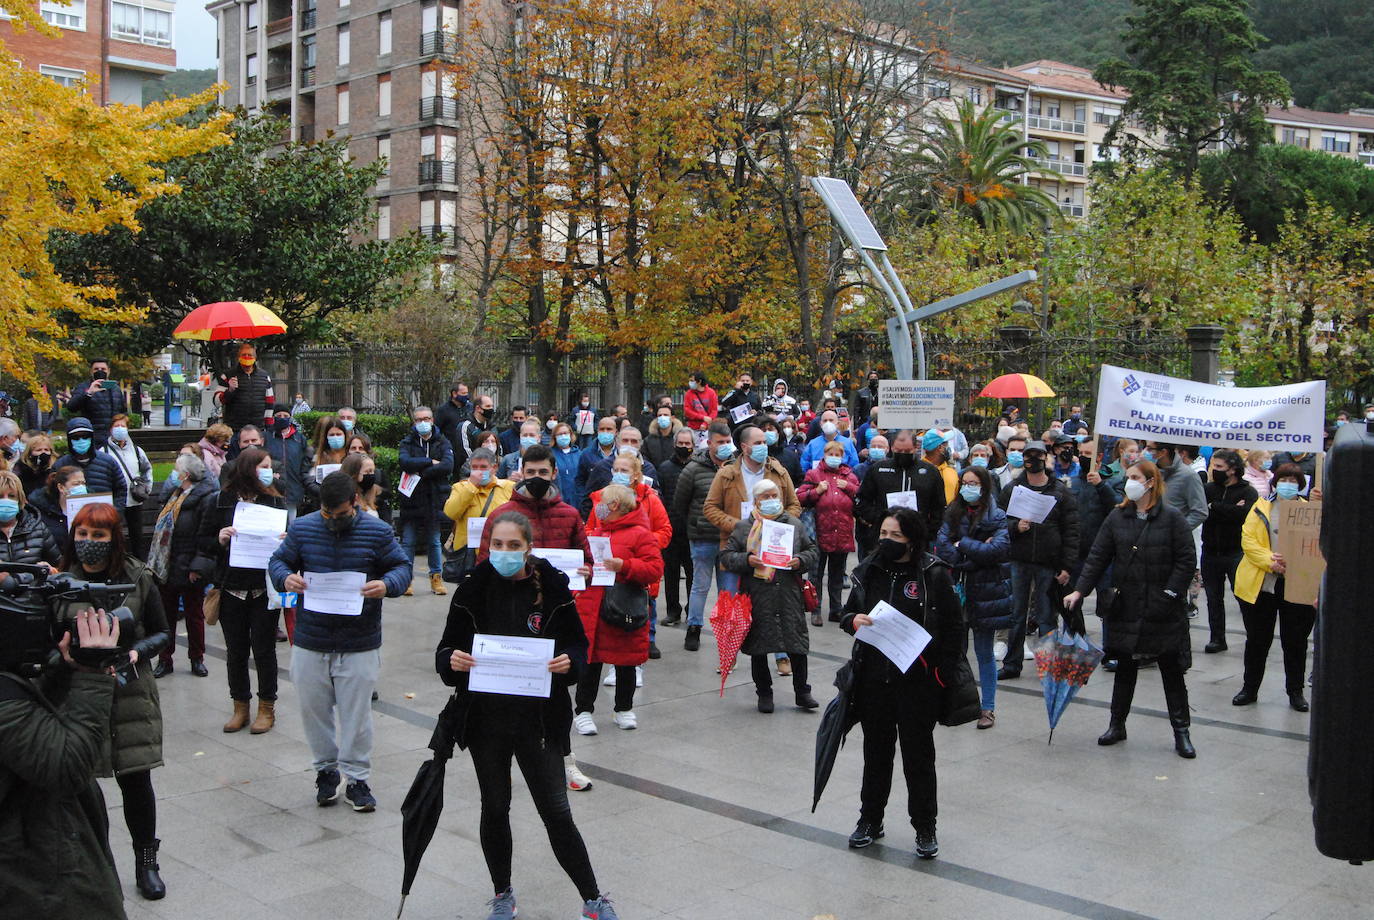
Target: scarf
[160,554]
[752,545]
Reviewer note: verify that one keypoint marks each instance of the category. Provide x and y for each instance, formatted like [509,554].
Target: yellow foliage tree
[69,164]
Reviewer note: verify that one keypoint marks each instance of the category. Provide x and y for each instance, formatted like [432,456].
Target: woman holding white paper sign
[512,593]
[892,705]
[775,594]
[830,489]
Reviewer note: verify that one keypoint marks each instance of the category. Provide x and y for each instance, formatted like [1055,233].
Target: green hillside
[1324,47]
[178,84]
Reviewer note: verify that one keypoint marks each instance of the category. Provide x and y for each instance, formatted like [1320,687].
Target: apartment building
[1349,135]
[117,45]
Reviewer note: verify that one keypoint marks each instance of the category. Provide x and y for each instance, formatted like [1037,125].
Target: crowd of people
[930,522]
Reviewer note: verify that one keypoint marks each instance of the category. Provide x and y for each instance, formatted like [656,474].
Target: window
[343,3]
[344,46]
[1080,111]
[1297,137]
[62,75]
[66,16]
[1336,141]
[308,51]
[1052,108]
[343,105]
[974,94]
[251,68]
[1106,114]
[383,220]
[133,23]
[384,95]
[429,18]
[384,34]
[384,154]
[251,15]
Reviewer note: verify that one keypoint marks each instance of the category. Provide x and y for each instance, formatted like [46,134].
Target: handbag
[457,562]
[625,605]
[138,492]
[811,598]
[210,606]
[959,700]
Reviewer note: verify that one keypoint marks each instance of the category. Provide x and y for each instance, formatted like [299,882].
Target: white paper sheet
[512,665]
[601,551]
[475,526]
[339,593]
[897,636]
[408,483]
[258,530]
[742,413]
[567,561]
[905,499]
[324,469]
[76,502]
[1029,505]
[776,544]
[746,510]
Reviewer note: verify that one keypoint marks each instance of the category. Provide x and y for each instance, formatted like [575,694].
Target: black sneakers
[693,640]
[360,796]
[326,787]
[864,834]
[927,847]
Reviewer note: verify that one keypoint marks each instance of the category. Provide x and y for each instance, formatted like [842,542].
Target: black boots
[693,640]
[1298,701]
[146,872]
[1116,731]
[765,701]
[1183,744]
[805,700]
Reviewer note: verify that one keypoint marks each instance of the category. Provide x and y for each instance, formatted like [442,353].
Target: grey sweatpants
[342,681]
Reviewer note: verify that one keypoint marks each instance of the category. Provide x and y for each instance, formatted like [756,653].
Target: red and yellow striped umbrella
[230,319]
[1017,386]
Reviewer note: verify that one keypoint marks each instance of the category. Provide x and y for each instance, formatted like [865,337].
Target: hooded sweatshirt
[784,404]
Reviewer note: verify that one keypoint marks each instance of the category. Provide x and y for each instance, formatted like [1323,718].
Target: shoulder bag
[457,562]
[625,605]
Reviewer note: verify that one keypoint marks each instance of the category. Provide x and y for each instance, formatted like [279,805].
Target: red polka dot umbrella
[730,622]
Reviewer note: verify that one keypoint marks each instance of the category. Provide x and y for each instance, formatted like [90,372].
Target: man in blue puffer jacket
[336,657]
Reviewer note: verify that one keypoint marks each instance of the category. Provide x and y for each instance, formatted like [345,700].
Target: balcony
[1071,210]
[1043,123]
[1063,167]
[443,234]
[307,76]
[1367,157]
[306,134]
[279,25]
[308,19]
[438,43]
[276,81]
[434,171]
[432,107]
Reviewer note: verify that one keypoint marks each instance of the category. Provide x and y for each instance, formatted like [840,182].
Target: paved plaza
[704,811]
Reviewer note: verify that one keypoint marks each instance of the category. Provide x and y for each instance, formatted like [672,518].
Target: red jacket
[834,509]
[659,525]
[632,543]
[555,523]
[699,406]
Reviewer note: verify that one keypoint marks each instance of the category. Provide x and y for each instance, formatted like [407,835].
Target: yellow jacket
[466,500]
[951,479]
[1255,551]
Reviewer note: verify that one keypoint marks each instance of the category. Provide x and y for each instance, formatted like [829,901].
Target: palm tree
[977,165]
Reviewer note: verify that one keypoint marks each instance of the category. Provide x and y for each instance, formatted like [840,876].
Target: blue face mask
[484,477]
[1014,458]
[1287,490]
[770,438]
[770,507]
[604,438]
[877,453]
[758,453]
[665,422]
[725,451]
[528,442]
[1147,454]
[423,429]
[620,479]
[119,434]
[979,461]
[347,424]
[1266,464]
[9,509]
[77,490]
[81,445]
[174,477]
[563,440]
[507,562]
[265,477]
[971,494]
[833,461]
[336,441]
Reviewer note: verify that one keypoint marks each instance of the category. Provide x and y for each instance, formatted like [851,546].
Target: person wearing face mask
[677,556]
[509,467]
[35,463]
[336,659]
[877,452]
[1149,546]
[662,434]
[102,472]
[866,397]
[510,438]
[774,437]
[97,552]
[628,440]
[1074,424]
[214,448]
[426,454]
[181,573]
[450,417]
[329,449]
[973,539]
[23,536]
[475,497]
[300,406]
[137,471]
[362,469]
[581,418]
[780,401]
[564,448]
[936,452]
[292,459]
[1258,464]
[775,594]
[742,395]
[1040,553]
[1013,469]
[50,501]
[515,593]
[481,419]
[865,534]
[829,431]
[248,397]
[602,450]
[99,400]
[830,489]
[699,402]
[901,473]
[694,487]
[1259,588]
[1229,500]
[249,625]
[893,706]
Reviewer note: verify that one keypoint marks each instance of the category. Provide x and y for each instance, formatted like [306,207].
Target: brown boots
[240,717]
[436,584]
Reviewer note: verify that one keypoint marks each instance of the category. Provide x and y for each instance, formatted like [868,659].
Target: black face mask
[682,453]
[99,375]
[1220,477]
[281,424]
[1066,458]
[1035,464]
[342,523]
[40,461]
[891,550]
[903,460]
[537,487]
[367,482]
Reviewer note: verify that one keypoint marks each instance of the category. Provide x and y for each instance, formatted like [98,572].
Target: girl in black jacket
[892,705]
[1149,546]
[512,593]
[173,558]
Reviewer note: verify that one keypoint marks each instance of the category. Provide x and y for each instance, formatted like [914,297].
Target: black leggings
[1295,622]
[249,627]
[140,806]
[542,767]
[590,683]
[762,668]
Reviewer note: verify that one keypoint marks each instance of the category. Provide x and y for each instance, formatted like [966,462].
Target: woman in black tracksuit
[512,593]
[891,705]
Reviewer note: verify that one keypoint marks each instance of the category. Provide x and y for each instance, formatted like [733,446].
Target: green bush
[384,430]
[388,464]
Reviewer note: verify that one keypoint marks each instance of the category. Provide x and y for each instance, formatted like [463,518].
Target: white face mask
[1135,489]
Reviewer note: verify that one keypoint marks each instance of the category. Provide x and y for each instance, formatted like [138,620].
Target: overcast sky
[195,31]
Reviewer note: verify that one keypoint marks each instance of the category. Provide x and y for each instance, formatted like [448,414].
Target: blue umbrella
[1065,661]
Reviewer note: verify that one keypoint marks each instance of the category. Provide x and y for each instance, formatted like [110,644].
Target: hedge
[384,430]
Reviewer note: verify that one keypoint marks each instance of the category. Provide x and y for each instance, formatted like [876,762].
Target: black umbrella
[425,802]
[839,717]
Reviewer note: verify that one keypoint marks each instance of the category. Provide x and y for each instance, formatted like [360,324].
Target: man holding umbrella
[248,397]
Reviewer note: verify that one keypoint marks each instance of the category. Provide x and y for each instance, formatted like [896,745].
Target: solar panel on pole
[847,211]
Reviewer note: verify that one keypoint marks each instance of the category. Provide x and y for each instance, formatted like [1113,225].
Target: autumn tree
[71,166]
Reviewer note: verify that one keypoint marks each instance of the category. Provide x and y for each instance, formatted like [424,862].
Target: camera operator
[97,552]
[55,859]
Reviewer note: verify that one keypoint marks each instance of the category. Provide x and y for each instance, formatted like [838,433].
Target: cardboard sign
[1300,525]
[915,404]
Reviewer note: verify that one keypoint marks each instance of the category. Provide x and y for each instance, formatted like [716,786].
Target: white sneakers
[609,680]
[584,723]
[626,720]
[576,779]
[999,650]
[639,676]
[610,677]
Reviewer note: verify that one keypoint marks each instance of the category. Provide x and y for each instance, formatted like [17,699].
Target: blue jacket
[591,456]
[426,503]
[102,474]
[98,404]
[291,461]
[815,451]
[600,477]
[370,547]
[979,556]
[567,473]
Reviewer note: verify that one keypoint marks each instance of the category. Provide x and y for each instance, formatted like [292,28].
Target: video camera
[31,625]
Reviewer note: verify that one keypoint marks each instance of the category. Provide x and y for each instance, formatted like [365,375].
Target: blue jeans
[704,553]
[410,530]
[987,666]
[1030,586]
